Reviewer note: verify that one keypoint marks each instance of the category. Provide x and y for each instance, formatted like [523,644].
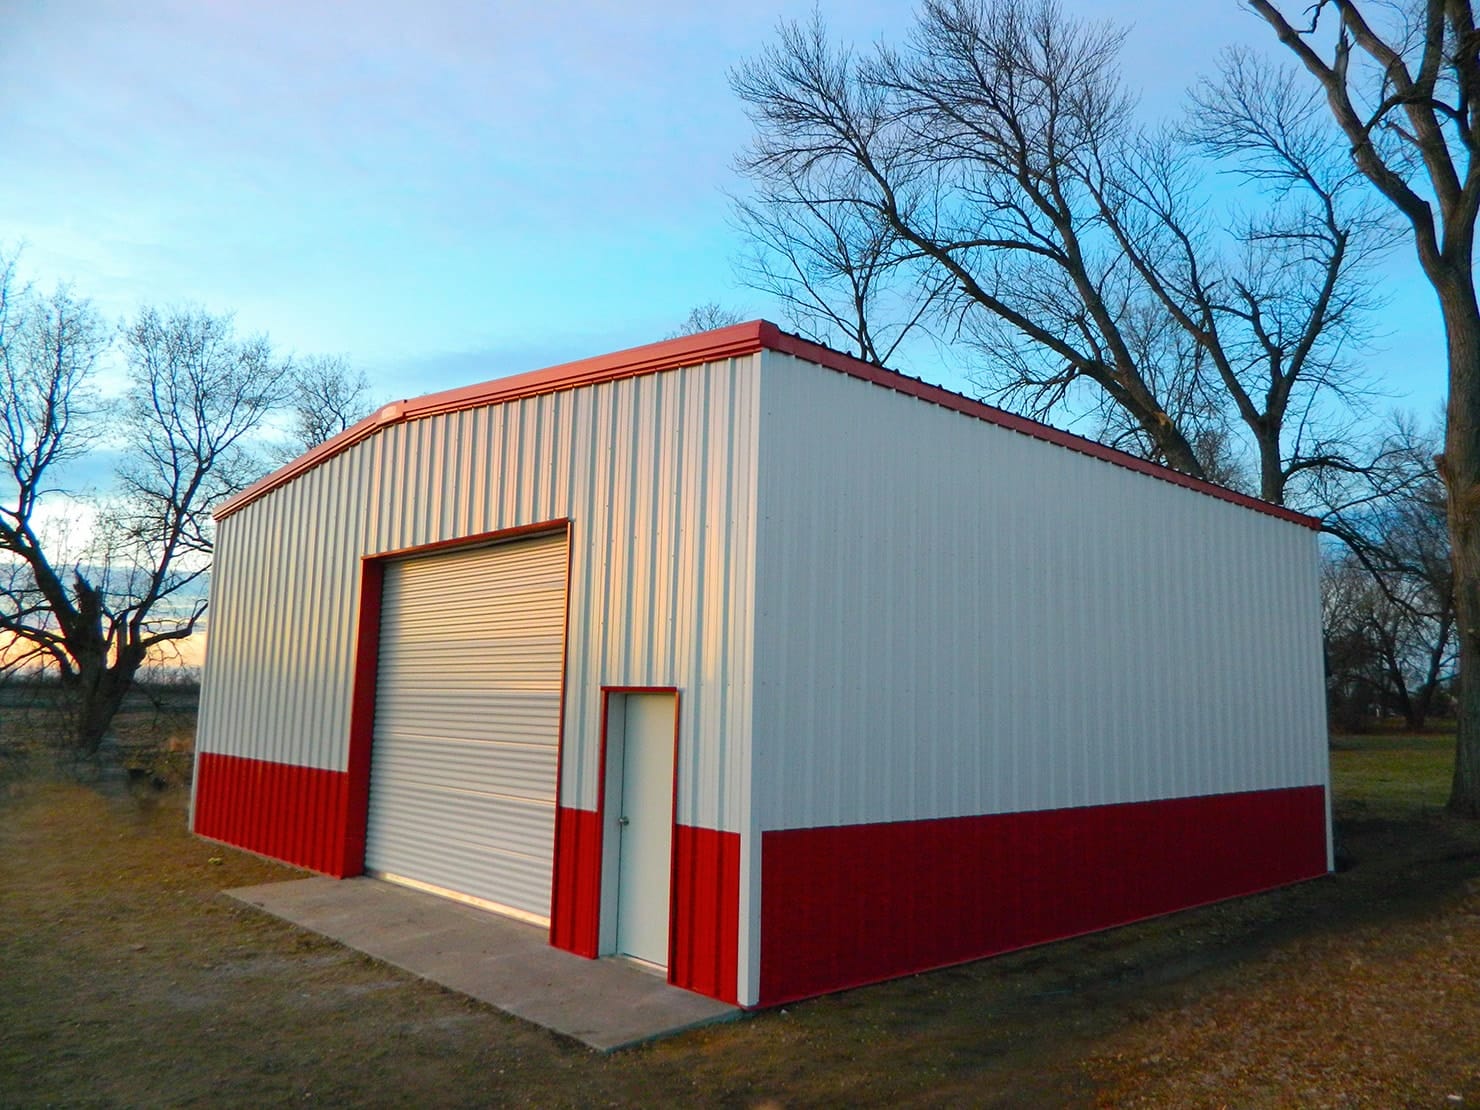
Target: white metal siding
[657,476]
[956,619]
[467,721]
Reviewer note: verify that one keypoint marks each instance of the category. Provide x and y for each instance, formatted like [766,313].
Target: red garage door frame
[366,671]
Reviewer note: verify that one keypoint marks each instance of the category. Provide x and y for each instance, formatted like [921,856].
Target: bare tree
[1274,300]
[706,317]
[49,347]
[1383,657]
[195,398]
[327,396]
[1391,638]
[996,161]
[835,269]
[1405,94]
[1357,680]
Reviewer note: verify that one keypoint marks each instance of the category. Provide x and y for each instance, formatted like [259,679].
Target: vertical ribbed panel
[656,476]
[297,814]
[955,619]
[706,884]
[852,904]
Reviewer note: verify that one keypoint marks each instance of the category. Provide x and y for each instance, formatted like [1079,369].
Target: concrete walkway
[607,1004]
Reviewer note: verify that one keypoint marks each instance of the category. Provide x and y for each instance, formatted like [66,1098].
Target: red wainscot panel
[575,909]
[296,814]
[843,906]
[705,932]
[705,937]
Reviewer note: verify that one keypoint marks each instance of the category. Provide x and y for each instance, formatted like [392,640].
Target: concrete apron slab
[606,1004]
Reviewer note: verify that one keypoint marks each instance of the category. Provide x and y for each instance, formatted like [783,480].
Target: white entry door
[646,826]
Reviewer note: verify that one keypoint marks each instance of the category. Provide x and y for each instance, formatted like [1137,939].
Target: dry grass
[129,981]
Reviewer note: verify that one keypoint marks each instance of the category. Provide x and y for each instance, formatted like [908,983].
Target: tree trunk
[96,708]
[1431,677]
[1175,450]
[1271,466]
[1396,681]
[1405,701]
[1130,392]
[97,694]
[1461,470]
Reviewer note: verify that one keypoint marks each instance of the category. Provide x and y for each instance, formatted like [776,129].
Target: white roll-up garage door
[467,723]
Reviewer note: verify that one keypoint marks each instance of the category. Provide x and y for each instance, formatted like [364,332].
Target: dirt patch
[129,981]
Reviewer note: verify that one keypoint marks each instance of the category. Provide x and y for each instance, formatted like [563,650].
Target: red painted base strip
[857,904]
[301,815]
[575,909]
[705,944]
[295,814]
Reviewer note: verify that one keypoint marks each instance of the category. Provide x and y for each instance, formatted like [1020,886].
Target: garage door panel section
[494,849]
[504,822]
[521,718]
[465,757]
[515,770]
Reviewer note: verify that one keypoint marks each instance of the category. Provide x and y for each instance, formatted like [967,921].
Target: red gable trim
[732,342]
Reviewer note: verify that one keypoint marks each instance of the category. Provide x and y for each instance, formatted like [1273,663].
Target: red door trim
[477,539]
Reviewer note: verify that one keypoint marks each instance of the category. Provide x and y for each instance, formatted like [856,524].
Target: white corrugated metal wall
[953,618]
[656,474]
[925,574]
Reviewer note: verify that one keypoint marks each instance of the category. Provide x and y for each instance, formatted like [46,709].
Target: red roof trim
[711,346]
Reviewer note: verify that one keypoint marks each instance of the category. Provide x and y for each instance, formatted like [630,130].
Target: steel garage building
[750,660]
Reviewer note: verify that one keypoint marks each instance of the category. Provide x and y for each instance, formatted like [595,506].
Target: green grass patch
[1393,772]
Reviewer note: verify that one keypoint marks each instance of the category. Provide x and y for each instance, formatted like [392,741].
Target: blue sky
[450,192]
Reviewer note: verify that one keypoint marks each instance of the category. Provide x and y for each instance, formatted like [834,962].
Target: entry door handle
[624,821]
